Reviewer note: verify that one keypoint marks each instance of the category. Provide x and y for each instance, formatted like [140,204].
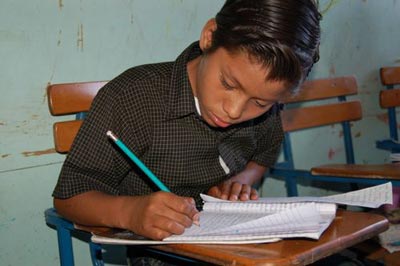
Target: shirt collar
[180,100]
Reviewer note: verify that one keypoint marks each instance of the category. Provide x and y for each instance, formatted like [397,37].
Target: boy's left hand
[233,190]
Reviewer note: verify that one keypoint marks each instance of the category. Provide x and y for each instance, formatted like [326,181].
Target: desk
[347,229]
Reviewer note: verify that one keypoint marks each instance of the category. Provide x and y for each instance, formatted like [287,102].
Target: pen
[138,162]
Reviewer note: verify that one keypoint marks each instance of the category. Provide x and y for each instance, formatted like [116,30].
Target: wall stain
[357,135]
[383,117]
[59,38]
[332,152]
[45,92]
[38,153]
[328,6]
[5,155]
[60,4]
[332,71]
[2,123]
[79,41]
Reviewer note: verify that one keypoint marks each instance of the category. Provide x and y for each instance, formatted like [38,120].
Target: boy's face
[232,88]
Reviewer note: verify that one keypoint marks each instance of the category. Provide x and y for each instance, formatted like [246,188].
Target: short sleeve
[94,163]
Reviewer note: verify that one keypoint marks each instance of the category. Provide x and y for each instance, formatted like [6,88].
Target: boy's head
[282,35]
[255,52]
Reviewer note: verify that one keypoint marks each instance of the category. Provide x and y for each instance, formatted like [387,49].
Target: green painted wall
[46,41]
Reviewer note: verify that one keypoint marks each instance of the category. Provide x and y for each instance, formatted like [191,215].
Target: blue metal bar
[393,123]
[388,145]
[96,254]
[65,246]
[80,116]
[392,119]
[287,151]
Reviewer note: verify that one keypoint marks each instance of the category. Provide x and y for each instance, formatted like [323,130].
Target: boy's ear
[207,34]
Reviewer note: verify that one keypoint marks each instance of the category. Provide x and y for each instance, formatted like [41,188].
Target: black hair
[282,35]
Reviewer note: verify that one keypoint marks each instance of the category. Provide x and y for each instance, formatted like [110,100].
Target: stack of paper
[264,220]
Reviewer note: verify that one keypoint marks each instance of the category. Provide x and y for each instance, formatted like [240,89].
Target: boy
[207,123]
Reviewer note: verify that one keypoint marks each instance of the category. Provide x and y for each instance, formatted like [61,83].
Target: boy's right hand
[159,214]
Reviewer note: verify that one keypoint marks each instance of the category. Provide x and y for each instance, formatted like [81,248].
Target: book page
[371,197]
[303,221]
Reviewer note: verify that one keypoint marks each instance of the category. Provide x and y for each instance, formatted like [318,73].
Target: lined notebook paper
[261,221]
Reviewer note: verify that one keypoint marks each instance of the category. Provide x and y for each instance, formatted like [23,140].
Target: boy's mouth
[218,121]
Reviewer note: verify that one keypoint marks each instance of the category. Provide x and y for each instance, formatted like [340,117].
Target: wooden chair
[390,99]
[75,99]
[342,111]
[67,99]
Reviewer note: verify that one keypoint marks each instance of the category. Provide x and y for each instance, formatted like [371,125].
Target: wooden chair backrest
[76,98]
[390,77]
[67,99]
[296,118]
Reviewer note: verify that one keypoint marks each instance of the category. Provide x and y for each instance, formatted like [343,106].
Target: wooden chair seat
[376,171]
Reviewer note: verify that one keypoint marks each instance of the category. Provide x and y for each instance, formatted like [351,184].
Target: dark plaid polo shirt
[151,108]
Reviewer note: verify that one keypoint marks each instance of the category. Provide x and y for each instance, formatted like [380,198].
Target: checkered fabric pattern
[151,109]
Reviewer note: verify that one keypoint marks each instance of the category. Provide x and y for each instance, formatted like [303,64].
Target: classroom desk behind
[347,229]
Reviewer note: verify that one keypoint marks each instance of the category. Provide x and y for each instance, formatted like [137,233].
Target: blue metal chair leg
[96,254]
[291,186]
[65,246]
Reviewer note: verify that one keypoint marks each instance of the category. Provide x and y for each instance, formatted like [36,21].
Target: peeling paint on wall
[328,6]
[79,41]
[59,38]
[38,153]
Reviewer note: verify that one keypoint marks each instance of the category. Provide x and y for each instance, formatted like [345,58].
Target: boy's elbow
[61,205]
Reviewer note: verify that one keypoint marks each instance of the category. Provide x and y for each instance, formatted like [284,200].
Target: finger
[235,190]
[193,212]
[225,190]
[254,194]
[215,192]
[196,219]
[156,234]
[181,210]
[170,226]
[245,193]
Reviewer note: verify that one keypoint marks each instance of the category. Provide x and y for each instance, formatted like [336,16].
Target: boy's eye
[226,84]
[262,105]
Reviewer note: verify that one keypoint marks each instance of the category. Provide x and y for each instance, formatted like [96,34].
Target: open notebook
[261,221]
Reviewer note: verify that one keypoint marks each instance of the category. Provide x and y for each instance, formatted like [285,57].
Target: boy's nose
[234,108]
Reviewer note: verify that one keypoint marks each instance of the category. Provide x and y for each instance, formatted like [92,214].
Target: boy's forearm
[93,208]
